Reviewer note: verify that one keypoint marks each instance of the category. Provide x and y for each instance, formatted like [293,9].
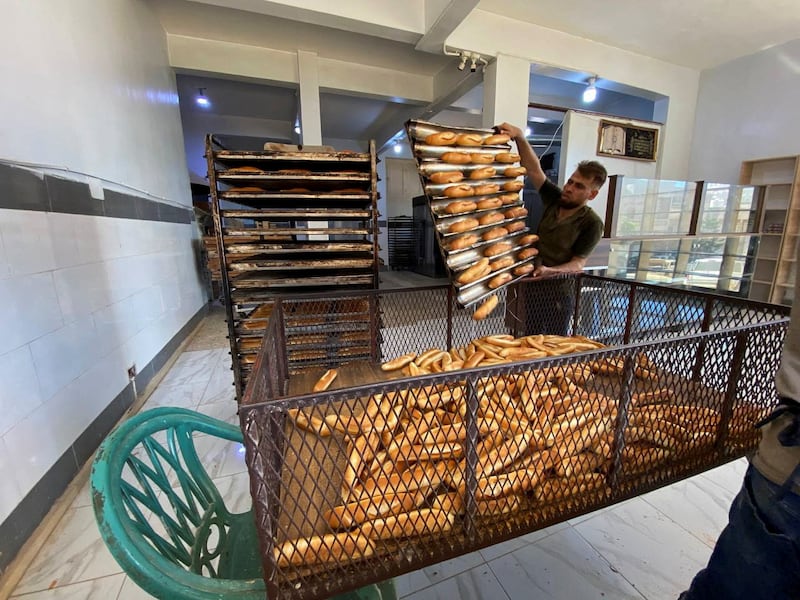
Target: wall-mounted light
[473,58]
[201,99]
[590,93]
[397,148]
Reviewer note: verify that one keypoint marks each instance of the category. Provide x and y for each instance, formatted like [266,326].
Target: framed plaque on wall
[623,140]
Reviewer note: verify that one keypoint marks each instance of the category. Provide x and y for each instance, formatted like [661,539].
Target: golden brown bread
[446,177]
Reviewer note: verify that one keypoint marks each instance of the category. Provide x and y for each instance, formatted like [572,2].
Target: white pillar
[505,91]
[310,119]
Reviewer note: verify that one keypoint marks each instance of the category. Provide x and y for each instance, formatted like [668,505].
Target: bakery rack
[291,221]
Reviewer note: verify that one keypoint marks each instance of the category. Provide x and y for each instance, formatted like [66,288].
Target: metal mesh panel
[479,436]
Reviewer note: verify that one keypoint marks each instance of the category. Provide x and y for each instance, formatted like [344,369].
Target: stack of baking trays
[452,439]
[472,181]
[294,221]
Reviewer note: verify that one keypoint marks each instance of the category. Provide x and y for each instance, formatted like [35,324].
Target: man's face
[578,190]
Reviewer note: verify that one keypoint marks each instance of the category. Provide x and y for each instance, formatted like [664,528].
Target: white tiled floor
[648,547]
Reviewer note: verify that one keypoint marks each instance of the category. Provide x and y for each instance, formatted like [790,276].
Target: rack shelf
[780,201]
[294,221]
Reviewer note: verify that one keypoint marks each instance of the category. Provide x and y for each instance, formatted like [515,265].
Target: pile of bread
[545,439]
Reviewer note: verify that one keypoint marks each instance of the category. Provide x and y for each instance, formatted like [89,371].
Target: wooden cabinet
[779,226]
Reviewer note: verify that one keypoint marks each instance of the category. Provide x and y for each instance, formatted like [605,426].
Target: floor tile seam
[608,562]
[679,524]
[72,583]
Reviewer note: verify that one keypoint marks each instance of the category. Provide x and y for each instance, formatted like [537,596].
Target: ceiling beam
[440,26]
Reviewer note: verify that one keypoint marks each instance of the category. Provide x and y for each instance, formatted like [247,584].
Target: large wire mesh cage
[454,434]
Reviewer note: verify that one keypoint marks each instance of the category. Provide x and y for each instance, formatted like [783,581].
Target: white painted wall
[579,142]
[85,297]
[747,109]
[492,34]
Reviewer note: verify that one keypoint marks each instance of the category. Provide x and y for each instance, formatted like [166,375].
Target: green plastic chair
[164,521]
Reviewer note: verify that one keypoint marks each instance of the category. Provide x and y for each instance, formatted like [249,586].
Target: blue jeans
[757,555]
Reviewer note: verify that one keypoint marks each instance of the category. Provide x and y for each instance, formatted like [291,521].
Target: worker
[568,231]
[757,555]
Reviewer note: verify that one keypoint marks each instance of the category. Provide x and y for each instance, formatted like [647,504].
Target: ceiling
[694,33]
[698,34]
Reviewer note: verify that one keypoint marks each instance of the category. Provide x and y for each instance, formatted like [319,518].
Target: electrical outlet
[132,371]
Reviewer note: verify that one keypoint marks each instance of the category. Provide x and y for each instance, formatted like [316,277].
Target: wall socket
[132,371]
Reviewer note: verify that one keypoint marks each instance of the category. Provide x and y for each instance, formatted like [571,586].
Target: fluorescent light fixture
[201,99]
[397,148]
[590,93]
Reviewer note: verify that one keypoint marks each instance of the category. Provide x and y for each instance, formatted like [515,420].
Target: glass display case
[681,233]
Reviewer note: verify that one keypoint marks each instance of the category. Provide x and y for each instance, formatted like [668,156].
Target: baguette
[331,547]
[499,506]
[446,177]
[517,211]
[523,270]
[585,462]
[485,308]
[515,171]
[530,238]
[494,233]
[326,380]
[351,514]
[415,522]
[484,189]
[513,186]
[399,362]
[512,482]
[475,272]
[488,203]
[442,138]
[460,206]
[507,157]
[497,248]
[509,198]
[463,225]
[496,139]
[499,280]
[459,191]
[469,139]
[515,226]
[527,253]
[501,263]
[491,218]
[482,158]
[462,241]
[483,173]
[456,158]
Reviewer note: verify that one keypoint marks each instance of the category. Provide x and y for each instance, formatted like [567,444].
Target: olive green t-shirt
[561,241]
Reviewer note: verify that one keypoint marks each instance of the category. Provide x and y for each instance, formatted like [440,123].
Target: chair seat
[241,558]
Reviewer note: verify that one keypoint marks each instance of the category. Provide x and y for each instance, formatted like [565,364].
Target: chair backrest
[158,511]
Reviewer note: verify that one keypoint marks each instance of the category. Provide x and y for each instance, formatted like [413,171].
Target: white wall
[84,297]
[579,142]
[492,34]
[747,109]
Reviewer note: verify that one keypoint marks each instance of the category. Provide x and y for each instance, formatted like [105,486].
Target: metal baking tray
[429,161]
[233,247]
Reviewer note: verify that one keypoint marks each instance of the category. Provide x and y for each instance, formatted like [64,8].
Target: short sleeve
[549,192]
[588,239]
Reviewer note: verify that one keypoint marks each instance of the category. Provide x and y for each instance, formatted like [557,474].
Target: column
[310,119]
[506,83]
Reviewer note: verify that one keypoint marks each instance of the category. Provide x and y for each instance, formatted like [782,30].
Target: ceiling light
[397,148]
[201,99]
[528,132]
[297,129]
[590,93]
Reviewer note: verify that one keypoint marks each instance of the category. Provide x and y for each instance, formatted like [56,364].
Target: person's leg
[757,555]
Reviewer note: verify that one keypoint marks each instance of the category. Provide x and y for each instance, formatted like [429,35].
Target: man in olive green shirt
[569,229]
[568,233]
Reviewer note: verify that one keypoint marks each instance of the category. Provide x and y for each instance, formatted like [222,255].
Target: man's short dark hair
[593,170]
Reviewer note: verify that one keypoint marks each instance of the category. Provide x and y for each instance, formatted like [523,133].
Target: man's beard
[569,203]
